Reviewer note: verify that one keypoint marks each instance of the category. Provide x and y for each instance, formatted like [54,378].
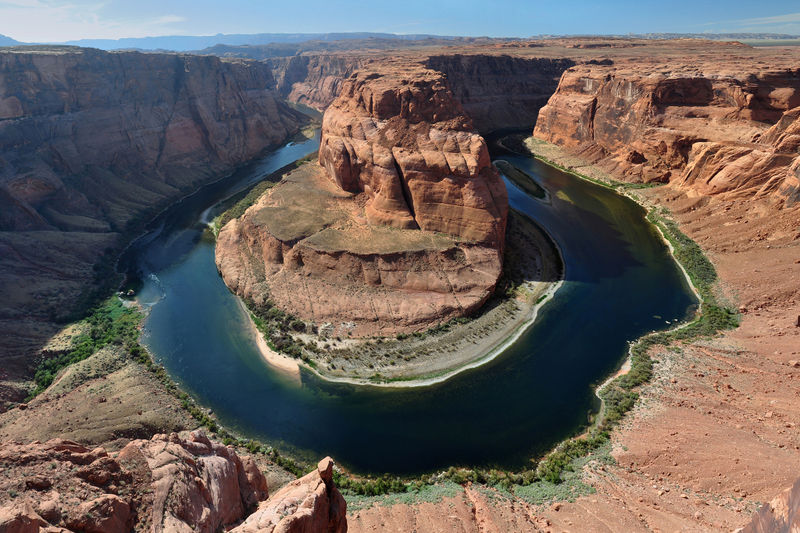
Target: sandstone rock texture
[91,141]
[314,80]
[310,504]
[404,140]
[705,127]
[500,91]
[782,514]
[402,228]
[169,483]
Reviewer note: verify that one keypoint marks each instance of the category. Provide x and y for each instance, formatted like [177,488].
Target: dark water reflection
[620,283]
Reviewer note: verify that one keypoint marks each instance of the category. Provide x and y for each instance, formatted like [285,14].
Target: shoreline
[281,363]
[627,363]
[148,221]
[468,345]
[491,353]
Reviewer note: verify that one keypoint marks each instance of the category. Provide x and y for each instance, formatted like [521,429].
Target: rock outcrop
[402,229]
[709,130]
[780,515]
[309,504]
[169,483]
[404,140]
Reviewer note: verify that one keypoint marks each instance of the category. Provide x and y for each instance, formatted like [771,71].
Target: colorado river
[620,282]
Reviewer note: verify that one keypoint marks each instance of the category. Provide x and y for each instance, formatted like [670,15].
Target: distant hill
[262,45]
[264,51]
[709,36]
[7,41]
[183,43]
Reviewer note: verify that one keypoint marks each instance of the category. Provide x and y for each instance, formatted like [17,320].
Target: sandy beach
[283,364]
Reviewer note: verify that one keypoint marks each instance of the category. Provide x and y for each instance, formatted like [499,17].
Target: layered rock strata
[402,227]
[404,140]
[707,131]
[92,141]
[500,91]
[780,514]
[169,483]
[314,80]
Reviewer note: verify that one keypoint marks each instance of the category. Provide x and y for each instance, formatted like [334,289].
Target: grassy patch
[277,328]
[427,493]
[109,323]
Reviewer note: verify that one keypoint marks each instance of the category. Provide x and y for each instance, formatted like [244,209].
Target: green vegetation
[555,476]
[277,328]
[416,494]
[621,394]
[110,323]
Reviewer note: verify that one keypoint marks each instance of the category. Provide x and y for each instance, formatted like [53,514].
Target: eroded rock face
[780,515]
[168,483]
[311,504]
[724,131]
[314,80]
[403,228]
[101,135]
[306,246]
[91,141]
[500,91]
[198,485]
[404,140]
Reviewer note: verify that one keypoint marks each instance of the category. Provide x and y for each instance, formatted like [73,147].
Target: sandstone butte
[400,227]
[169,483]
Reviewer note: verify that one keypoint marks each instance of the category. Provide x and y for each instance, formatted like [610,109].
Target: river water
[620,282]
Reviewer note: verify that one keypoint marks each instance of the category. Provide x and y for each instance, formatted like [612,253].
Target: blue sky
[60,20]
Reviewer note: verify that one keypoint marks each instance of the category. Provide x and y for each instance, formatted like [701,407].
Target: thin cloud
[169,19]
[788,18]
[43,21]
[786,23]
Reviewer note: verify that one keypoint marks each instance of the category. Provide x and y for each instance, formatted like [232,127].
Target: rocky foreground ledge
[170,483]
[401,226]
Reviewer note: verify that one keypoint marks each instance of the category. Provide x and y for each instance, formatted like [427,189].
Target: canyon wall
[90,142]
[314,80]
[495,91]
[500,91]
[90,138]
[403,223]
[709,131]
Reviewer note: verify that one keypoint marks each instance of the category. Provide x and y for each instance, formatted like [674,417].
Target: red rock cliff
[169,483]
[709,129]
[500,91]
[404,140]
